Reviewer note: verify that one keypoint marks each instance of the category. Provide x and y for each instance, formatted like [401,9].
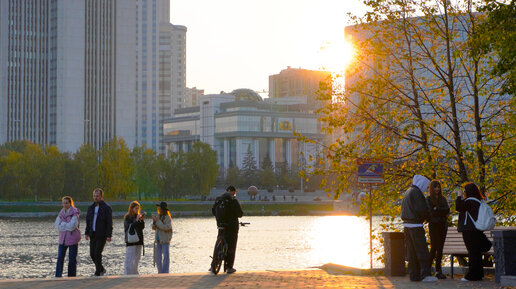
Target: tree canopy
[42,173]
[418,98]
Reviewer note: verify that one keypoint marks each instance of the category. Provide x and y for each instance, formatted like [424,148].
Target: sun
[336,56]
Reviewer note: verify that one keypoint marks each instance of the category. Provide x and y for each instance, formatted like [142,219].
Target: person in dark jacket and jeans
[133,223]
[437,225]
[476,242]
[231,225]
[414,212]
[99,227]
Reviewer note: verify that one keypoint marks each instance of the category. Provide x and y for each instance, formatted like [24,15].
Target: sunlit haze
[238,44]
[342,240]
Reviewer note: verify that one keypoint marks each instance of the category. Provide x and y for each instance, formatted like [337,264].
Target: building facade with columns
[240,123]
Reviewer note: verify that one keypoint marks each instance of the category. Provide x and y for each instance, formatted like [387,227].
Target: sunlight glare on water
[29,246]
[341,240]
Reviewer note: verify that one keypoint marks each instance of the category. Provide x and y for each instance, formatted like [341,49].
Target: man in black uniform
[231,213]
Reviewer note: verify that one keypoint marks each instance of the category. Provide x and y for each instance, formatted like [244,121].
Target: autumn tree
[201,166]
[85,164]
[417,98]
[52,171]
[116,169]
[173,181]
[497,35]
[145,171]
[233,175]
[11,183]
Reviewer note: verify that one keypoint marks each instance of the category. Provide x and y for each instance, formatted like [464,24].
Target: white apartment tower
[178,58]
[172,67]
[67,71]
[147,120]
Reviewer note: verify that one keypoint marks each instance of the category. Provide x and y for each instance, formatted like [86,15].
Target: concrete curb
[336,269]
[508,281]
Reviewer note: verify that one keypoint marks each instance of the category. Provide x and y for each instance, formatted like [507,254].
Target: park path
[313,278]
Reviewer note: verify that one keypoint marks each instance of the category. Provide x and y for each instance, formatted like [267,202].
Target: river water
[29,246]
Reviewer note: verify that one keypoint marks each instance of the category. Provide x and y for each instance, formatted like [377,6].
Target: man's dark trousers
[417,253]
[96,248]
[231,236]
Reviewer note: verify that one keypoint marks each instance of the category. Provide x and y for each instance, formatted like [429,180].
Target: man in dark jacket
[414,212]
[99,227]
[230,222]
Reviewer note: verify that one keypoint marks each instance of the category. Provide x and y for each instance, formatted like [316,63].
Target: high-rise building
[67,71]
[85,71]
[192,96]
[147,120]
[178,55]
[172,67]
[297,82]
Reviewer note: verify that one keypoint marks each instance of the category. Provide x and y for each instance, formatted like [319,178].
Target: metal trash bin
[394,247]
[504,253]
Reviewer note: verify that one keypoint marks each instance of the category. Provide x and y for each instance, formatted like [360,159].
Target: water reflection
[29,246]
[341,240]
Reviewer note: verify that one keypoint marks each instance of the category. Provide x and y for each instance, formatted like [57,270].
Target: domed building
[245,94]
[241,123]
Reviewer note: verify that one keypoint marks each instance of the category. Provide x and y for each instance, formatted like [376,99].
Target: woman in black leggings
[476,241]
[437,225]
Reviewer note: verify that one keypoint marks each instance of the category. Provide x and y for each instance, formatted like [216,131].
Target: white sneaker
[464,280]
[429,279]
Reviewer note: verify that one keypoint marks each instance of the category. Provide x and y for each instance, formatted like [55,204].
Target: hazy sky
[239,43]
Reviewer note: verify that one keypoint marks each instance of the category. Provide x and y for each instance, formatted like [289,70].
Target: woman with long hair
[162,224]
[133,225]
[437,225]
[67,223]
[476,242]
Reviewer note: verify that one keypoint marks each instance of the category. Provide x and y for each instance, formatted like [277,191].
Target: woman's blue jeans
[162,258]
[72,260]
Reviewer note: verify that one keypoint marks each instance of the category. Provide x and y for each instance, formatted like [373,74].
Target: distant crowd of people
[416,209]
[99,229]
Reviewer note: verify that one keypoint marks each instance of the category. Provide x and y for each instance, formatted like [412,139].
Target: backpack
[222,209]
[486,219]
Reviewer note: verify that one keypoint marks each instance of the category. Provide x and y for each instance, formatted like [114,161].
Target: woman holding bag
[476,241]
[67,223]
[133,228]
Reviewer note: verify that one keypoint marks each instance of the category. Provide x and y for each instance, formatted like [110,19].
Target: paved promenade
[252,279]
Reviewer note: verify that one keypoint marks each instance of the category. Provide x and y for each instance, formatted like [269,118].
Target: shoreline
[187,208]
[183,214]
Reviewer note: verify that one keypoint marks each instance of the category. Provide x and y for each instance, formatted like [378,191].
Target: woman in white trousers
[133,228]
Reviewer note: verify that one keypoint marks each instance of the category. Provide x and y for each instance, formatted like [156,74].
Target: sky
[238,43]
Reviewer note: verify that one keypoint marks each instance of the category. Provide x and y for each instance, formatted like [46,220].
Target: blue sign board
[370,171]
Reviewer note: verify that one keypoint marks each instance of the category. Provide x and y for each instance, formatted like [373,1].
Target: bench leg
[451,275]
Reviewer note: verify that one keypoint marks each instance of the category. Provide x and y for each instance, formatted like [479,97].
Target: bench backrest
[454,244]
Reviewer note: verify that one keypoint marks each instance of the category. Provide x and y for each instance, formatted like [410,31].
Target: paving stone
[252,279]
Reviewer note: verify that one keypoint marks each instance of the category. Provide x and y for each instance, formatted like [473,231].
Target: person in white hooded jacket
[414,212]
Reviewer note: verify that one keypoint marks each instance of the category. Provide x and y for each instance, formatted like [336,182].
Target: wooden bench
[454,244]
